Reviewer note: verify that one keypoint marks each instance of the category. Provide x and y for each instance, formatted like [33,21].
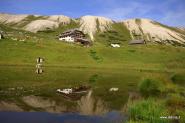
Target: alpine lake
[26,95]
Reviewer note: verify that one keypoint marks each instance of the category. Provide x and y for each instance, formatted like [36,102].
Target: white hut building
[74,35]
[71,35]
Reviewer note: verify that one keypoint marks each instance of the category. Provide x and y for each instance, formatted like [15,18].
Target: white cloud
[162,12]
[128,10]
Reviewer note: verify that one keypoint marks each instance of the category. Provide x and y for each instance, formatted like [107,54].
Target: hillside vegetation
[149,30]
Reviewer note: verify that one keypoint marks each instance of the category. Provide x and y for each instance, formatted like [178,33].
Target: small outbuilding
[134,42]
[115,45]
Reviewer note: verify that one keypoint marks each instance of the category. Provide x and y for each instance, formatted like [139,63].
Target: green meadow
[100,66]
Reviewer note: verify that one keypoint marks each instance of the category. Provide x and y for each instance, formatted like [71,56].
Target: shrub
[148,111]
[181,113]
[178,79]
[150,87]
[175,100]
[93,78]
[94,55]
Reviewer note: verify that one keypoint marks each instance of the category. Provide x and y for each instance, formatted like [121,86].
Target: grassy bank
[159,103]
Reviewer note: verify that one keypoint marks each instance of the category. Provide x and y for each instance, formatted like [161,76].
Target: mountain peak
[59,18]
[92,24]
[12,18]
[153,31]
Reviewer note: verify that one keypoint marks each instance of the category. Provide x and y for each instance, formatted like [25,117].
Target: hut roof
[83,40]
[71,30]
[137,42]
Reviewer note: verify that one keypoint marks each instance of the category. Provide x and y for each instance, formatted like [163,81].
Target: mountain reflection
[88,105]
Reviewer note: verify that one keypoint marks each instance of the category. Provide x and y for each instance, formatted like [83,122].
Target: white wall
[67,39]
[115,45]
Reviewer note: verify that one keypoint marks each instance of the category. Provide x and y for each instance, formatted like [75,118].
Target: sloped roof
[84,39]
[71,30]
[137,42]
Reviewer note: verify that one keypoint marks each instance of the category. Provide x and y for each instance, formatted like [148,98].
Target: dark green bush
[93,78]
[94,55]
[178,79]
[149,87]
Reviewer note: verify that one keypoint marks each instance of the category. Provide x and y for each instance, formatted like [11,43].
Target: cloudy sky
[171,12]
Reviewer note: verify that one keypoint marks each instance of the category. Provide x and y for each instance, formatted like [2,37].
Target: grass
[94,55]
[93,78]
[146,111]
[175,101]
[178,79]
[118,34]
[150,109]
[100,66]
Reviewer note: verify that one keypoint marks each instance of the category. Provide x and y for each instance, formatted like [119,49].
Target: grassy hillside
[56,53]
[100,66]
[117,34]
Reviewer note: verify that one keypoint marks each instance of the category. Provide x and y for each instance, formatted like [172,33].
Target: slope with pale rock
[152,31]
[41,25]
[61,19]
[10,18]
[92,24]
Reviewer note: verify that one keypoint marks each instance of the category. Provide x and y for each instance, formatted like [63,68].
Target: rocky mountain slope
[34,23]
[8,18]
[146,29]
[153,31]
[92,24]
[47,22]
[41,25]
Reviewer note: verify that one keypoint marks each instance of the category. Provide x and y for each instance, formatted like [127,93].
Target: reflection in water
[101,80]
[93,78]
[45,104]
[89,106]
[38,102]
[133,96]
[7,106]
[90,110]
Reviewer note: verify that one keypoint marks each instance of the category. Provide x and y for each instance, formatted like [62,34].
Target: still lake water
[35,98]
[43,117]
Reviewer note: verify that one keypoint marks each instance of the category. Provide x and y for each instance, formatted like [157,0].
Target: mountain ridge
[139,28]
